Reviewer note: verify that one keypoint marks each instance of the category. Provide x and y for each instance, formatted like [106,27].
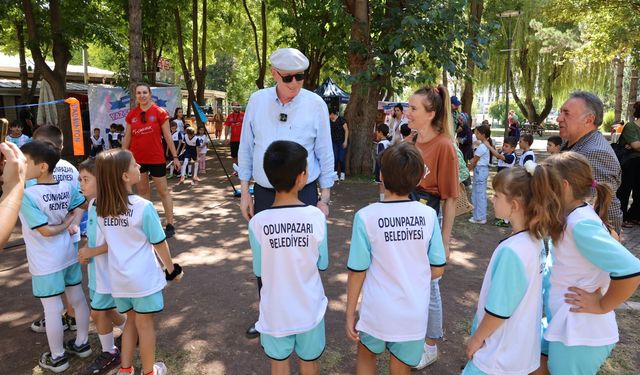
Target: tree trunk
[362,108]
[633,93]
[24,74]
[476,8]
[200,72]
[135,48]
[61,57]
[260,49]
[617,108]
[183,63]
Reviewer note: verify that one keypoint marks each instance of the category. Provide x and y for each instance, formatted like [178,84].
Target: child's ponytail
[545,210]
[576,170]
[538,189]
[603,200]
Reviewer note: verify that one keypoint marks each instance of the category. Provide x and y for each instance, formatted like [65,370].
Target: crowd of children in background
[190,144]
[552,283]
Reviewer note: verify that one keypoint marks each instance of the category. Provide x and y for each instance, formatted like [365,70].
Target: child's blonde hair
[539,193]
[112,194]
[576,170]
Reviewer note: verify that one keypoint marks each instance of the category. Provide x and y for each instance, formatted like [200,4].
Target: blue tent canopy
[329,90]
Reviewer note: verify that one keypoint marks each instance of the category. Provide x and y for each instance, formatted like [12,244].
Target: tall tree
[260,47]
[186,72]
[476,8]
[617,108]
[56,77]
[135,47]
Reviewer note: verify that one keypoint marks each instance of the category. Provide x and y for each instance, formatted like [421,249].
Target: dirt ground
[202,328]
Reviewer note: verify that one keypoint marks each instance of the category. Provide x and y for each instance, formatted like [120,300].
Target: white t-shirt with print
[134,269]
[526,156]
[289,245]
[512,290]
[48,204]
[586,257]
[396,244]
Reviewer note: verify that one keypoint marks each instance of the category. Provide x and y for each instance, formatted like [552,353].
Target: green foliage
[218,74]
[497,110]
[607,120]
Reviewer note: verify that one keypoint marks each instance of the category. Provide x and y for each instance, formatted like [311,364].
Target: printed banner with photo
[110,105]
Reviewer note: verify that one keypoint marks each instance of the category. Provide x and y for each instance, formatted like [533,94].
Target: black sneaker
[169,231]
[82,351]
[103,363]
[57,365]
[40,325]
[252,332]
[71,322]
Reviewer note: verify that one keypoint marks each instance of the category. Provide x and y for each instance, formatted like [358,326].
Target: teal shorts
[576,360]
[53,284]
[309,345]
[407,352]
[101,302]
[471,369]
[143,305]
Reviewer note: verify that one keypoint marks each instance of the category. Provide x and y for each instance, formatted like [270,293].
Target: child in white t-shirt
[289,244]
[97,143]
[396,250]
[45,214]
[382,143]
[15,134]
[480,166]
[202,149]
[505,334]
[525,145]
[131,229]
[102,304]
[591,274]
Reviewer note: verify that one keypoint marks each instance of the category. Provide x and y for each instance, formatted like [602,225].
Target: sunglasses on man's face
[288,79]
[143,118]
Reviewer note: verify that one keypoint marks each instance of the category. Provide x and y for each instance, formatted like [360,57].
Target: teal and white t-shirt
[396,244]
[512,290]
[586,257]
[18,141]
[134,269]
[48,204]
[98,268]
[289,245]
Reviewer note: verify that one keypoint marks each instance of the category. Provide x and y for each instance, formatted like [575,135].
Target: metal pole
[506,114]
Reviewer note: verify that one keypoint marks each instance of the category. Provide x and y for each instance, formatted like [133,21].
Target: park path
[202,328]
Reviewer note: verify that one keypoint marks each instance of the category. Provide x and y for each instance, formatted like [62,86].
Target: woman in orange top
[430,115]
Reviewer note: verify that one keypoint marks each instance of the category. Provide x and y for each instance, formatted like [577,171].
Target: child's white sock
[107,342]
[55,333]
[431,348]
[381,197]
[76,298]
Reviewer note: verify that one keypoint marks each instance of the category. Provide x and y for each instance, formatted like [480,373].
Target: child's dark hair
[383,128]
[401,168]
[511,141]
[539,194]
[576,170]
[88,165]
[555,139]
[405,130]
[527,138]
[484,130]
[120,127]
[172,124]
[49,133]
[16,124]
[283,162]
[42,152]
[189,131]
[113,126]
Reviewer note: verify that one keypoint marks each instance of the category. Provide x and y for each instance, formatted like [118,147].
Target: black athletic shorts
[234,149]
[155,170]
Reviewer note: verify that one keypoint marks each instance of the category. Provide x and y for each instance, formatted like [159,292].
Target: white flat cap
[289,60]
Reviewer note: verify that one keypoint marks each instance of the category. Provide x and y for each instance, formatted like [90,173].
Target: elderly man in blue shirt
[285,112]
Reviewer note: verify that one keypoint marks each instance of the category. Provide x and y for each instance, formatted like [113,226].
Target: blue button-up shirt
[307,123]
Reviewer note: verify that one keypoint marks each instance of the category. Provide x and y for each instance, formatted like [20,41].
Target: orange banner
[76,126]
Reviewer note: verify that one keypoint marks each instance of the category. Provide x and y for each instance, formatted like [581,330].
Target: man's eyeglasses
[287,79]
[143,118]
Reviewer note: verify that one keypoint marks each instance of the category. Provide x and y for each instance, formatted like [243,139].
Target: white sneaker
[335,177]
[342,176]
[159,368]
[474,221]
[429,356]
